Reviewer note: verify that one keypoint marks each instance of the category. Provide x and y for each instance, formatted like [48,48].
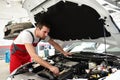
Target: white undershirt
[26,37]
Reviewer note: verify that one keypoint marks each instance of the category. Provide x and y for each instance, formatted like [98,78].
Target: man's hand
[67,54]
[55,70]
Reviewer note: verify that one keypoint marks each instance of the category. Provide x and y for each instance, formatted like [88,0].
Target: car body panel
[113,10]
[12,30]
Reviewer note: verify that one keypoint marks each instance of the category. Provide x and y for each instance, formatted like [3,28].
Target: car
[93,40]
[89,61]
[12,30]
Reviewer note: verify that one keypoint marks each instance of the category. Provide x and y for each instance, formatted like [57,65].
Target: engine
[69,67]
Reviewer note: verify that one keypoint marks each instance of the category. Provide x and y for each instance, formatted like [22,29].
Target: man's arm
[58,47]
[38,59]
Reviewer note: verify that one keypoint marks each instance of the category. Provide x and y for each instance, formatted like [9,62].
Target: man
[22,49]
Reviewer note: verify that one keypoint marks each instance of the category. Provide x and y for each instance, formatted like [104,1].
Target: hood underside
[70,21]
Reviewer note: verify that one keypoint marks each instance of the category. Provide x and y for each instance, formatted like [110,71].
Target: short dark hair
[40,25]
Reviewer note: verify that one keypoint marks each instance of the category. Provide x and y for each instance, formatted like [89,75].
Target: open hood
[73,19]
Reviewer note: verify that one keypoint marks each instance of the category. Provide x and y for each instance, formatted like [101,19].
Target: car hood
[74,19]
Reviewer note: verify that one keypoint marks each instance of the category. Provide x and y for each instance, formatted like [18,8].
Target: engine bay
[71,67]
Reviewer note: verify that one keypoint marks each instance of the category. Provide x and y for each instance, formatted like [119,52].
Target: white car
[84,20]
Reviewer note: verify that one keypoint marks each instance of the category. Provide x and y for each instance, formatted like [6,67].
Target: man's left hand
[67,54]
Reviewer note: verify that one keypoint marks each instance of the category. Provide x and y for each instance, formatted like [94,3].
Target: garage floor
[4,70]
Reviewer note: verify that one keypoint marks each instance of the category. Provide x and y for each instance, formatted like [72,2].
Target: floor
[4,70]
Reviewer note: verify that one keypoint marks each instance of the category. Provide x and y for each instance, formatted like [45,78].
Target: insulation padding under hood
[70,21]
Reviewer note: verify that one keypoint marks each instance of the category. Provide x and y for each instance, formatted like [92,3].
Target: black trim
[32,36]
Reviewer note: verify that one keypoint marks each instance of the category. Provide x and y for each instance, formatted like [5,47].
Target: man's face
[43,32]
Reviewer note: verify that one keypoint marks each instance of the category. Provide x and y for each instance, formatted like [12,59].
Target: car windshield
[91,47]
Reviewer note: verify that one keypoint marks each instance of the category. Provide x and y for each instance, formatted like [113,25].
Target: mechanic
[23,51]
